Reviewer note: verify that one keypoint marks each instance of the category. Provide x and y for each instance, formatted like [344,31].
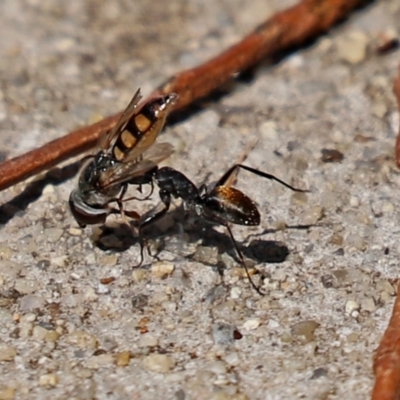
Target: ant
[222,204]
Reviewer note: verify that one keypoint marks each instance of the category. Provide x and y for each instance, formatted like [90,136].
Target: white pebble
[268,130]
[158,363]
[251,324]
[162,269]
[236,292]
[148,340]
[354,201]
[48,380]
[351,306]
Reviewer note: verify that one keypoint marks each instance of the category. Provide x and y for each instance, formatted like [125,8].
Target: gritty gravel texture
[77,321]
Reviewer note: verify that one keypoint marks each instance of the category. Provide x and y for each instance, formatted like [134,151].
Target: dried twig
[387,359]
[287,29]
[396,90]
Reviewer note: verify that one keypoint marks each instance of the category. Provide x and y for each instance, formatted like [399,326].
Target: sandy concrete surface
[189,326]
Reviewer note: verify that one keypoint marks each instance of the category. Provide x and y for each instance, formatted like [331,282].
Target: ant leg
[239,253]
[215,219]
[149,218]
[232,169]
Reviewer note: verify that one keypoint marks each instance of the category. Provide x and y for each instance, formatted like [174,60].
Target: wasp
[125,154]
[222,204]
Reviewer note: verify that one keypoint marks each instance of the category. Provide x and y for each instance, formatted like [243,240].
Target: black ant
[223,204]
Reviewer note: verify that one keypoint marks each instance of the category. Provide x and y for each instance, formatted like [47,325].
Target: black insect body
[125,153]
[222,205]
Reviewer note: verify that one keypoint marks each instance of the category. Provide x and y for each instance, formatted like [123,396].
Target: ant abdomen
[232,205]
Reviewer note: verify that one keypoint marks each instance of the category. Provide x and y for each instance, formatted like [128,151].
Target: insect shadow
[187,230]
[221,205]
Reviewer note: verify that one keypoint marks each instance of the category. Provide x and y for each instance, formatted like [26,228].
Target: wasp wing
[123,172]
[160,107]
[108,140]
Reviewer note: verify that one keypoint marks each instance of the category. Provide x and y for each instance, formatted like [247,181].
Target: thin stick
[286,29]
[396,90]
[387,359]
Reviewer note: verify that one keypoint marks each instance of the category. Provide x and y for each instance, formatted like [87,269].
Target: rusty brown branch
[387,358]
[396,90]
[286,29]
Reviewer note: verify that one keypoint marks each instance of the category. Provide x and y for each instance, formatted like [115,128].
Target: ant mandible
[222,205]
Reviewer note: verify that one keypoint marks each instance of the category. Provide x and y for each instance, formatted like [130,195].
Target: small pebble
[351,305]
[7,393]
[251,324]
[235,292]
[379,109]
[162,269]
[51,336]
[26,286]
[122,359]
[99,361]
[268,130]
[354,201]
[368,304]
[319,373]
[48,380]
[75,231]
[331,156]
[158,363]
[140,301]
[385,286]
[5,252]
[25,329]
[352,47]
[53,235]
[139,274]
[305,330]
[217,367]
[232,359]
[39,332]
[31,302]
[387,207]
[353,337]
[286,337]
[206,255]
[148,340]
[30,317]
[223,334]
[7,353]
[109,259]
[312,215]
[83,339]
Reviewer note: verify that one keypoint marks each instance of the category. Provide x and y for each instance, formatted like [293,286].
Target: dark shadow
[117,238]
[34,190]
[121,237]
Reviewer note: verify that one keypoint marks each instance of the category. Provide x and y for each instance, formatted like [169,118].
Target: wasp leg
[143,198]
[232,170]
[120,200]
